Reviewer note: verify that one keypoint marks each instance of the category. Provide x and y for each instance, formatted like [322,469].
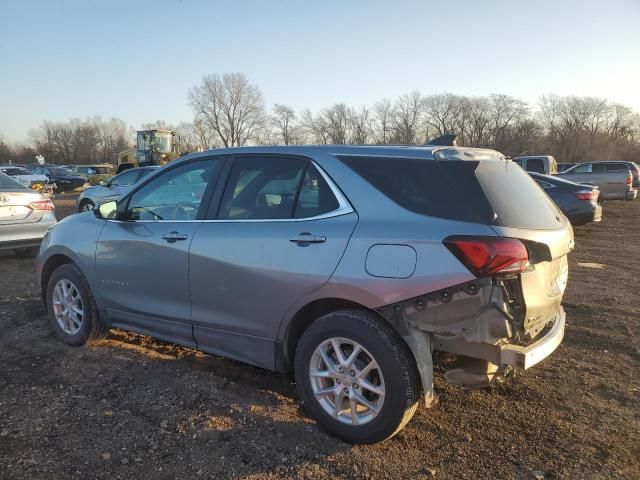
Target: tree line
[230,111]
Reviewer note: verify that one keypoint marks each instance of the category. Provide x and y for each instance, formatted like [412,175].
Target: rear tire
[68,290]
[30,252]
[329,392]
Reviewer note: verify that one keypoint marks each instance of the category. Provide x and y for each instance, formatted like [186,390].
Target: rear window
[8,183]
[490,192]
[535,165]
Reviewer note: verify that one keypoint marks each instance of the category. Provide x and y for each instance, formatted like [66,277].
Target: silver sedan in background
[112,189]
[25,217]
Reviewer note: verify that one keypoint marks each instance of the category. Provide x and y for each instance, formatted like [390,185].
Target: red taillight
[630,179]
[586,194]
[485,256]
[42,205]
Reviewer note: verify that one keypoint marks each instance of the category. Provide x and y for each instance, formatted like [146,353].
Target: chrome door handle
[308,238]
[174,236]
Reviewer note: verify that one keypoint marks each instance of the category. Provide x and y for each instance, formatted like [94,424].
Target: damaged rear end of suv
[459,251]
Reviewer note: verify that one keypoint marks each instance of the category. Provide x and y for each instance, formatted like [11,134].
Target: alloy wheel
[347,381]
[68,307]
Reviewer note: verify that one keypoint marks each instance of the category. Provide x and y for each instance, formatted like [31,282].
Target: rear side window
[490,192]
[445,189]
[535,165]
[275,188]
[597,168]
[617,167]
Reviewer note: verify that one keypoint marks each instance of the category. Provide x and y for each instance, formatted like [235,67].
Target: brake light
[629,179]
[486,256]
[586,194]
[42,205]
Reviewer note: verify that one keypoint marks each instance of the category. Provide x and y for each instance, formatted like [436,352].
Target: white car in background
[23,176]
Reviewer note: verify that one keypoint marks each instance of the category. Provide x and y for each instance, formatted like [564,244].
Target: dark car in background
[65,179]
[579,202]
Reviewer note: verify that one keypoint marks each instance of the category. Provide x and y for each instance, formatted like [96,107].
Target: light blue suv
[349,266]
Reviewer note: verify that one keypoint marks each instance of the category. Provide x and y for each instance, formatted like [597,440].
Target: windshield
[162,142]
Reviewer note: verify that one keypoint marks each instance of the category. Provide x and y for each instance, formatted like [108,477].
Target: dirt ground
[133,406]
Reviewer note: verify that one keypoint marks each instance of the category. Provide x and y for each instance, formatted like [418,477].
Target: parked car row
[572,188]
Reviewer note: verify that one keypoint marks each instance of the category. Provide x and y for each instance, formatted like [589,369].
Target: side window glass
[586,168]
[316,197]
[597,168]
[535,165]
[262,188]
[174,195]
[616,167]
[125,179]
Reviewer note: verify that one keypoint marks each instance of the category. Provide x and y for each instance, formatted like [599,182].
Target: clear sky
[136,60]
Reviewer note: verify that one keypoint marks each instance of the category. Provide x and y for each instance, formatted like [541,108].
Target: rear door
[276,234]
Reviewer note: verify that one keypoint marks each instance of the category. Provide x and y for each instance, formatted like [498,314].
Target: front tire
[71,307]
[356,376]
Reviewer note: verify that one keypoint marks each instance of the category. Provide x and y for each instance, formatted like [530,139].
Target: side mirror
[107,211]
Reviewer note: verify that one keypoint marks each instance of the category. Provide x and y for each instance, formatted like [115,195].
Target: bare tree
[408,110]
[383,121]
[283,120]
[231,106]
[315,127]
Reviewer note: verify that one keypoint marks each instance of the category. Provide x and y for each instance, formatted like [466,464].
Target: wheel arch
[50,266]
[313,310]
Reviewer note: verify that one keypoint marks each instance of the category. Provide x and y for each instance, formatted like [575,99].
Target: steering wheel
[186,210]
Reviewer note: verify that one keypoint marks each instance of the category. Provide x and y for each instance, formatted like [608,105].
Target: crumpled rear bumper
[505,354]
[525,357]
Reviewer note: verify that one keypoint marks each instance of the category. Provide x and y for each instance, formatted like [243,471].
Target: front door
[142,260]
[279,234]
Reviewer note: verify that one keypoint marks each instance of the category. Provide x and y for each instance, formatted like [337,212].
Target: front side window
[174,195]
